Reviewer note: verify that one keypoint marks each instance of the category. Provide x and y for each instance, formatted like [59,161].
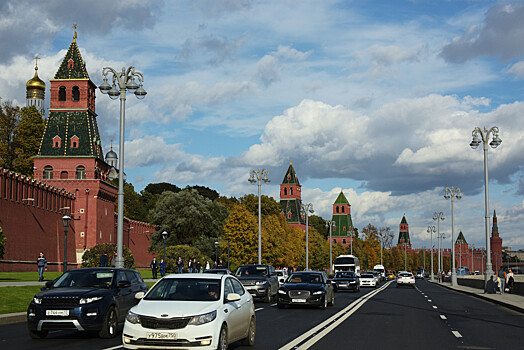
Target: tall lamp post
[126,81]
[260,175]
[438,216]
[431,231]
[66,219]
[453,193]
[306,209]
[216,252]
[485,134]
[164,237]
[332,225]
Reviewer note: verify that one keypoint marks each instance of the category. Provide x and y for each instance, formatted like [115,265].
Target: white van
[381,271]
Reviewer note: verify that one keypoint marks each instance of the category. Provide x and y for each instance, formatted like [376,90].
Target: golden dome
[36,83]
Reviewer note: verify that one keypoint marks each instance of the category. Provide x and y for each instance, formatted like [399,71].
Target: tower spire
[75,36]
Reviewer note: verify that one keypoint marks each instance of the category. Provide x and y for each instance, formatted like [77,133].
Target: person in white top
[207,265]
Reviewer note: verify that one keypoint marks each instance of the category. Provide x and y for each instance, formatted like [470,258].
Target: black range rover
[88,299]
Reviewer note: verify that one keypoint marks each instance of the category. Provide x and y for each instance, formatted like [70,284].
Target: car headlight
[132,318]
[260,283]
[37,300]
[202,319]
[280,291]
[89,300]
[318,292]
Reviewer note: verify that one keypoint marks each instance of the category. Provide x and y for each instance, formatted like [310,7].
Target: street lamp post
[164,237]
[485,135]
[453,193]
[331,225]
[260,175]
[126,81]
[472,262]
[438,216]
[66,219]
[431,231]
[216,251]
[306,209]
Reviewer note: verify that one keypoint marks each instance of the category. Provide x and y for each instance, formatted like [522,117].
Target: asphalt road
[425,317]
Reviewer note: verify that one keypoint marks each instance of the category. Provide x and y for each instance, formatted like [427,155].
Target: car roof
[195,276]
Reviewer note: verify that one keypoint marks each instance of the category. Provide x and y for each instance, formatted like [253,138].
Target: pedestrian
[41,263]
[215,265]
[491,286]
[190,266]
[220,264]
[207,265]
[104,260]
[195,267]
[154,267]
[502,279]
[162,268]
[510,281]
[113,260]
[180,264]
[199,266]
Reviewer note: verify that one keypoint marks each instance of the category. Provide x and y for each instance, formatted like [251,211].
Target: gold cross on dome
[75,36]
[36,60]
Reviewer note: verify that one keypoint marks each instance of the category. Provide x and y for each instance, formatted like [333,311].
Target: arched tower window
[62,93]
[80,172]
[64,175]
[48,172]
[337,209]
[285,191]
[291,191]
[76,94]
[343,209]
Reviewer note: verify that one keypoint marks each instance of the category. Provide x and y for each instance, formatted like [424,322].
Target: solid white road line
[115,347]
[260,308]
[456,334]
[321,330]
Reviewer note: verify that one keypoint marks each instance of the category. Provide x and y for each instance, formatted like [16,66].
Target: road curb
[481,296]
[14,317]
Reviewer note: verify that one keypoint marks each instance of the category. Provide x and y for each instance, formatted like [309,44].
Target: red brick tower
[291,199]
[496,245]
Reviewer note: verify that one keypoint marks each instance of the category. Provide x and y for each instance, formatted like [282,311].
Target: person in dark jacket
[41,263]
[154,267]
[180,264]
[190,266]
[162,267]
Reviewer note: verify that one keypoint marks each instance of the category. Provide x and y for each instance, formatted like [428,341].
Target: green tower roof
[73,66]
[461,239]
[291,177]
[341,199]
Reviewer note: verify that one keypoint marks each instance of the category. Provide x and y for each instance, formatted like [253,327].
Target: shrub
[91,257]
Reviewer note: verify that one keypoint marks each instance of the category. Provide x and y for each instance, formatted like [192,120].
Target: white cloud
[517,70]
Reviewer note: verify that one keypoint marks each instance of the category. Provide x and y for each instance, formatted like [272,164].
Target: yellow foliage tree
[241,229]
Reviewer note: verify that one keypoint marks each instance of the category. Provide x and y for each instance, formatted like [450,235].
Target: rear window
[366,276]
[405,274]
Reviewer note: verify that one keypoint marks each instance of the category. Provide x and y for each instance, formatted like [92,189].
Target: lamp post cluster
[496,141]
[126,81]
[431,231]
[306,209]
[438,217]
[453,192]
[258,176]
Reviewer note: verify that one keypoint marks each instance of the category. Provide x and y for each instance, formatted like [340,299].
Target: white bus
[347,263]
[381,271]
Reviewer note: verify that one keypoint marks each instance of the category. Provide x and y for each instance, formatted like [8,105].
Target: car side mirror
[49,284]
[123,284]
[232,297]
[139,295]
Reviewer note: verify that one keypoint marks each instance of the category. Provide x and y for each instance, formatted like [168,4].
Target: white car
[282,276]
[367,280]
[197,311]
[405,278]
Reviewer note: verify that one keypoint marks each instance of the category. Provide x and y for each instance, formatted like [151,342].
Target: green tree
[185,216]
[9,118]
[206,192]
[268,204]
[319,224]
[27,137]
[159,188]
[91,257]
[3,241]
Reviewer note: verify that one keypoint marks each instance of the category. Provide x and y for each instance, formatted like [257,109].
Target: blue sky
[375,98]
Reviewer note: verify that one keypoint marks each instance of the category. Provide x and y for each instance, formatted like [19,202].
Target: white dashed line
[260,308]
[443,317]
[456,334]
[434,307]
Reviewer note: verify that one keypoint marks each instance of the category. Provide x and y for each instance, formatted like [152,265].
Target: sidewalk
[511,301]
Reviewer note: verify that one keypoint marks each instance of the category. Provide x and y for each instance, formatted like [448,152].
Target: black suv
[259,280]
[88,299]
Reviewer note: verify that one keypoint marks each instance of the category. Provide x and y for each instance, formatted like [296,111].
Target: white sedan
[405,278]
[197,311]
[367,280]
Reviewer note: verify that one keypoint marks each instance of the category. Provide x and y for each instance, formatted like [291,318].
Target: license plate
[163,335]
[57,312]
[298,300]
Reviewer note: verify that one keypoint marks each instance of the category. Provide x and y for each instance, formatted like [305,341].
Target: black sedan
[346,280]
[90,299]
[306,288]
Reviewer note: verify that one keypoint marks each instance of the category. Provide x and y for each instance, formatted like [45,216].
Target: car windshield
[305,278]
[186,289]
[85,279]
[345,274]
[366,276]
[256,271]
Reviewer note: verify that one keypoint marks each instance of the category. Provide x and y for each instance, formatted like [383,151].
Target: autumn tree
[241,229]
[27,137]
[269,206]
[9,118]
[319,224]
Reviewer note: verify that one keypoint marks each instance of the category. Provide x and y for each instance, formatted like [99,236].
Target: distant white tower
[35,91]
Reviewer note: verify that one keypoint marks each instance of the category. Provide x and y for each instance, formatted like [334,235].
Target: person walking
[162,267]
[154,267]
[207,265]
[502,283]
[220,264]
[195,266]
[190,266]
[510,281]
[199,266]
[41,264]
[180,264]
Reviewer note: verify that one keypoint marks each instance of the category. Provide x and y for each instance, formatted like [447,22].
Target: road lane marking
[260,308]
[456,334]
[443,317]
[115,347]
[434,307]
[429,300]
[318,332]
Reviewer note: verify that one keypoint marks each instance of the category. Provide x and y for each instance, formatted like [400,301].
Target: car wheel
[109,327]
[222,340]
[37,334]
[324,303]
[250,340]
[268,298]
